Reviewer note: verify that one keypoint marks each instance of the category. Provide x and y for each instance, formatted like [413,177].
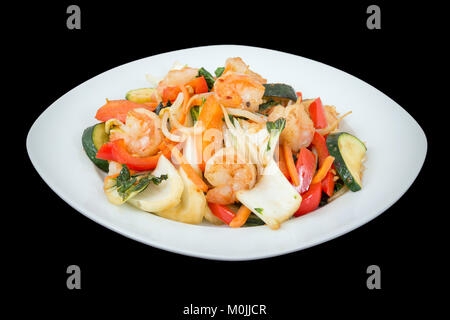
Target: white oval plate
[396,151]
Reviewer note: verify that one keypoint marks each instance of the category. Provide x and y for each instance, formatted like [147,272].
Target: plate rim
[343,229]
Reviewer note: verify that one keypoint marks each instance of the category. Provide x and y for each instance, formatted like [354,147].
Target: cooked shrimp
[238,90]
[299,130]
[332,118]
[330,114]
[228,174]
[141,132]
[238,65]
[175,78]
[252,127]
[306,103]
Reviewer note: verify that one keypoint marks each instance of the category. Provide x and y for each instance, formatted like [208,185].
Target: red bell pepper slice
[199,85]
[317,114]
[328,184]
[320,144]
[306,166]
[170,93]
[222,212]
[117,151]
[118,109]
[310,199]
[105,152]
[299,96]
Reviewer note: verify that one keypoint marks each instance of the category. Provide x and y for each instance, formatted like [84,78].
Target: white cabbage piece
[191,209]
[273,199]
[163,196]
[109,187]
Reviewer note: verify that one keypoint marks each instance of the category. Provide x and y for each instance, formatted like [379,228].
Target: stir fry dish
[229,148]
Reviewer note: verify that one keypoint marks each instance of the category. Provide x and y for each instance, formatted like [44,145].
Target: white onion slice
[167,133]
[246,114]
[153,80]
[339,193]
[173,116]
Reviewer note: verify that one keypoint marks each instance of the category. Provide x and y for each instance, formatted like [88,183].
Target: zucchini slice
[140,95]
[93,138]
[348,152]
[253,220]
[279,90]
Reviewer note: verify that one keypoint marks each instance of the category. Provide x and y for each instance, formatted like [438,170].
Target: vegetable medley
[228,148]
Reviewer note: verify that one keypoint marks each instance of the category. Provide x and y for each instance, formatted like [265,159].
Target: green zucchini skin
[91,140]
[351,178]
[279,90]
[253,221]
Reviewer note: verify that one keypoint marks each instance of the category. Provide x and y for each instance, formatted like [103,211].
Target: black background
[121,274]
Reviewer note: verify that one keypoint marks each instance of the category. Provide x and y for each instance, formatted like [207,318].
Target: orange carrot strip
[323,170]
[165,147]
[211,116]
[118,109]
[112,176]
[184,110]
[290,164]
[186,96]
[241,217]
[190,172]
[152,105]
[282,165]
